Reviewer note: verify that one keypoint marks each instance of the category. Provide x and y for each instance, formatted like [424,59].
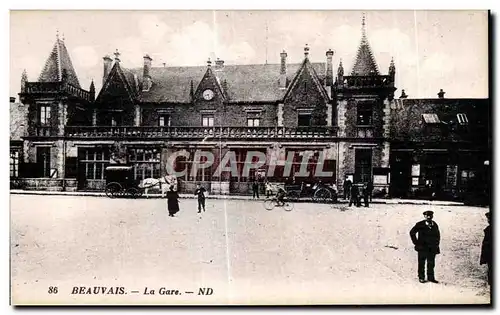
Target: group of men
[353,194]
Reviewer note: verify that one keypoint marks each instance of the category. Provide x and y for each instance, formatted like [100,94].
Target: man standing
[200,192]
[486,248]
[427,245]
[354,196]
[369,188]
[347,188]
[255,188]
[366,195]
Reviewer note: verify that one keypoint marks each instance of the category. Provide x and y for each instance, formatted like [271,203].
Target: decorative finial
[63,37]
[117,55]
[363,26]
[57,34]
[306,51]
[209,62]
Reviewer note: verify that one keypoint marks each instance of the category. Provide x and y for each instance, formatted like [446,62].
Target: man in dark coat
[354,196]
[255,188]
[427,245]
[369,189]
[347,188]
[200,192]
[366,196]
[486,248]
[172,202]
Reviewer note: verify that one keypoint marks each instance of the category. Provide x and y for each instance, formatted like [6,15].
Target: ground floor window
[94,162]
[14,163]
[146,162]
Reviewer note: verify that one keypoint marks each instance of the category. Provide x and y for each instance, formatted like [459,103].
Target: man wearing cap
[427,245]
[486,248]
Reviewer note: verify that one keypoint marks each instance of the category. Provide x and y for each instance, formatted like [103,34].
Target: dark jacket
[369,187]
[200,192]
[486,247]
[173,202]
[428,237]
[347,184]
[354,191]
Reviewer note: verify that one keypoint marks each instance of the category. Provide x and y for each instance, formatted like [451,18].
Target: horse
[163,183]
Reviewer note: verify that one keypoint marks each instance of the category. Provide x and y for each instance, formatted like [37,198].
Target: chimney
[219,64]
[107,67]
[441,93]
[403,94]
[282,80]
[146,77]
[12,99]
[329,67]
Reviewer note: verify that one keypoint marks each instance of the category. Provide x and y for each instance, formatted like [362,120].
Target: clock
[208,94]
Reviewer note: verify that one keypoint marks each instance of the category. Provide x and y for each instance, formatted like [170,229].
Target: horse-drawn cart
[120,182]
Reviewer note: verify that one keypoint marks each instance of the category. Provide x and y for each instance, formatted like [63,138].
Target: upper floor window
[364,114]
[253,122]
[164,120]
[462,119]
[207,120]
[304,120]
[431,118]
[45,114]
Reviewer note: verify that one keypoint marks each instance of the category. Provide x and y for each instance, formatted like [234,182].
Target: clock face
[208,94]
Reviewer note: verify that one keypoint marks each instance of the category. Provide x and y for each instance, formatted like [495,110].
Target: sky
[432,50]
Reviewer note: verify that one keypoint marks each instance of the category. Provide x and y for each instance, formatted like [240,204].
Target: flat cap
[429,213]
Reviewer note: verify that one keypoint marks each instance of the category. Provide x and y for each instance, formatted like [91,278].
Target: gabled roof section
[307,66]
[244,83]
[210,76]
[58,63]
[124,76]
[365,62]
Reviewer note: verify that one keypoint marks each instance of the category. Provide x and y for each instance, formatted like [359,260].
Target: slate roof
[408,119]
[56,63]
[245,83]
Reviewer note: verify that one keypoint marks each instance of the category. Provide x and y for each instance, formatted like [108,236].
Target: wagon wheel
[134,192]
[113,190]
[322,195]
[288,206]
[293,195]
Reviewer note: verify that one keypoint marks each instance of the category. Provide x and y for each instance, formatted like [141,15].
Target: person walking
[347,188]
[200,192]
[486,247]
[172,202]
[255,188]
[427,245]
[354,196]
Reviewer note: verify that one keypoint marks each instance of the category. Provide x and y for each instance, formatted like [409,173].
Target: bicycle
[272,202]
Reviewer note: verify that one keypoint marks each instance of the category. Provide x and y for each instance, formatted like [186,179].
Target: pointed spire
[363,28]
[58,64]
[24,79]
[117,55]
[365,62]
[92,89]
